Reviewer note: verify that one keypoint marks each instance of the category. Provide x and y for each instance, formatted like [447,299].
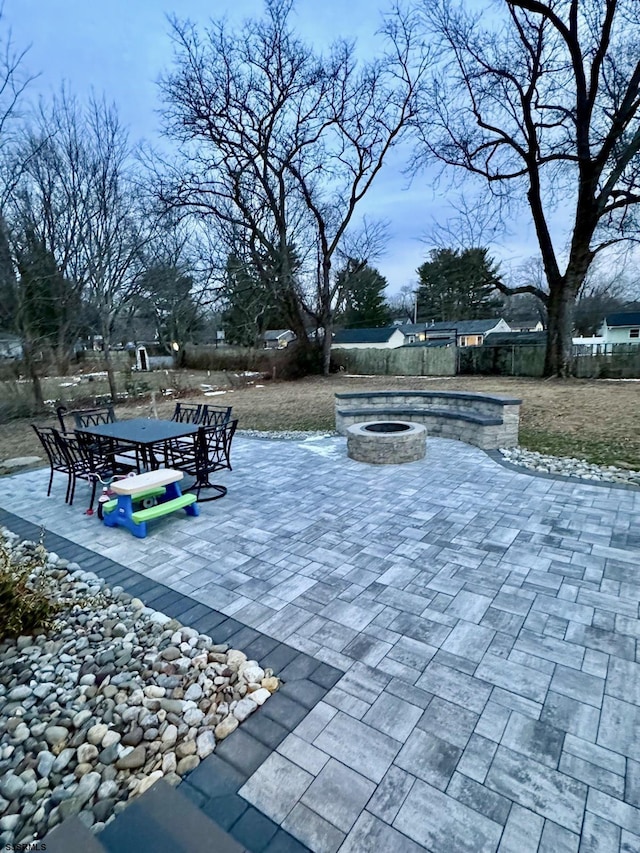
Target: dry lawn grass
[595,420]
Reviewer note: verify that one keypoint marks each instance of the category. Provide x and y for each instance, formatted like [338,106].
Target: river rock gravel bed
[288,435]
[570,467]
[109,700]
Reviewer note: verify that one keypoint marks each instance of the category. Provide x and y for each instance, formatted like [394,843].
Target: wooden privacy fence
[591,361]
[403,361]
[608,361]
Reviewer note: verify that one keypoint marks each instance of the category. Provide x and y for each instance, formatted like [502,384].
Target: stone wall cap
[454,395]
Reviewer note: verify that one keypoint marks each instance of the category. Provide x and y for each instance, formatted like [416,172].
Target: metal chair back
[55,454]
[61,411]
[216,416]
[213,448]
[65,456]
[95,451]
[83,462]
[186,413]
[93,417]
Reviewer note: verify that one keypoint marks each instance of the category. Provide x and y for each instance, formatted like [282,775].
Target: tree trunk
[111,376]
[560,306]
[62,351]
[327,327]
[32,370]
[327,316]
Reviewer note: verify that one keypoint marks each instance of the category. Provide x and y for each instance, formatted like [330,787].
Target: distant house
[623,328]
[466,333]
[531,325]
[414,333]
[387,337]
[277,338]
[404,320]
[432,344]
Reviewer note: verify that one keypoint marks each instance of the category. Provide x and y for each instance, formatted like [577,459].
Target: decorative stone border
[497,456]
[213,786]
[401,442]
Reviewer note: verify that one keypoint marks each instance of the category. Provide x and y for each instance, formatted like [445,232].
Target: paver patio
[486,621]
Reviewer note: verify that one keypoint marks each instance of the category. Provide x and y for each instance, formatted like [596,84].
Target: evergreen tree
[48,305]
[362,298]
[168,303]
[256,299]
[40,304]
[458,285]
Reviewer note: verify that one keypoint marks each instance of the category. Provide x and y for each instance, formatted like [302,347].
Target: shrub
[296,362]
[292,362]
[10,369]
[16,401]
[26,602]
[227,359]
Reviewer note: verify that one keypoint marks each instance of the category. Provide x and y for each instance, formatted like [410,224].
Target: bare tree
[281,144]
[607,289]
[119,228]
[542,103]
[48,200]
[229,102]
[403,304]
[13,82]
[367,111]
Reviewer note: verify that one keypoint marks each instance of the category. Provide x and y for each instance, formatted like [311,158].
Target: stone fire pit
[386,442]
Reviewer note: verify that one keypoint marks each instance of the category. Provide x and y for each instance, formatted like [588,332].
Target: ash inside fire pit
[386,442]
[387,426]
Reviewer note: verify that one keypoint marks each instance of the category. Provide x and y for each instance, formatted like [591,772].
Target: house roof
[412,328]
[365,336]
[527,323]
[629,318]
[522,339]
[274,334]
[461,327]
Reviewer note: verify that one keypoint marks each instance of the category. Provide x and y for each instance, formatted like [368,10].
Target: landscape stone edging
[225,771]
[549,475]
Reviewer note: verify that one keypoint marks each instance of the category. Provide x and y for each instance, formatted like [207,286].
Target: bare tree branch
[543,103]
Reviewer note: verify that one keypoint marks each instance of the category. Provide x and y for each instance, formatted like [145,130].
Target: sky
[120,48]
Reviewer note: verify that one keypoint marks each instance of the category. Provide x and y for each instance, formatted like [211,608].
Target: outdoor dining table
[143,434]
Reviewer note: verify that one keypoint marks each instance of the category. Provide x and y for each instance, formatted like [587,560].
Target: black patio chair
[55,454]
[84,417]
[215,415]
[211,452]
[93,417]
[186,413]
[193,413]
[105,457]
[61,413]
[118,458]
[68,455]
[84,463]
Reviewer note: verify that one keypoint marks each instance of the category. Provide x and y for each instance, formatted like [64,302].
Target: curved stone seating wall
[485,420]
